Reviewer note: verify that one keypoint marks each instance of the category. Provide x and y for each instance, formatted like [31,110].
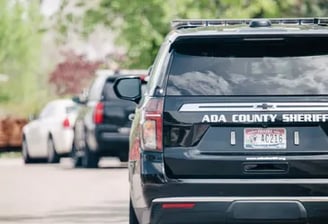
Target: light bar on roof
[192,23]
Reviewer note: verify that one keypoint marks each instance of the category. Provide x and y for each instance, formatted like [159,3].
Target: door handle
[265,167]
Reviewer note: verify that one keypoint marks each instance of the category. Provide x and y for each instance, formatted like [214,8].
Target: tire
[124,157]
[132,215]
[26,157]
[90,159]
[52,154]
[77,159]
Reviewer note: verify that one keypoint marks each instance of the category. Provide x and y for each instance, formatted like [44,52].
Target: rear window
[108,92]
[71,109]
[249,66]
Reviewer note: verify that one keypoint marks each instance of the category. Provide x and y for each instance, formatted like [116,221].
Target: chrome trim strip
[231,199]
[255,181]
[208,107]
[153,115]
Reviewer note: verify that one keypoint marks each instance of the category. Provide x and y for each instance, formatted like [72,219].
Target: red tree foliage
[73,74]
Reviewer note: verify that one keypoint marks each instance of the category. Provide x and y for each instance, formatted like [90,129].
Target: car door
[37,141]
[60,126]
[84,123]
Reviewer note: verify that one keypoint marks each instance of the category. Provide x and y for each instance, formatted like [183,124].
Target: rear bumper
[224,200]
[64,141]
[113,137]
[113,144]
[235,210]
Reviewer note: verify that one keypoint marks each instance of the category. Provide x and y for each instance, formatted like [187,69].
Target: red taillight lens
[152,125]
[98,114]
[178,205]
[66,123]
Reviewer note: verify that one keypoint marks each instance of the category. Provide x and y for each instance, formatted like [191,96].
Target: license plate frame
[265,138]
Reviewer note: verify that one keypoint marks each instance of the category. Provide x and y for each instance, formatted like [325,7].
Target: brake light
[152,125]
[66,123]
[98,114]
[178,205]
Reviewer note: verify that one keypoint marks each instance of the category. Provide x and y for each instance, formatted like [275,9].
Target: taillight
[66,123]
[152,125]
[98,114]
[178,205]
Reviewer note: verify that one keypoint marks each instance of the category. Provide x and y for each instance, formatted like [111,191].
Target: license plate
[265,138]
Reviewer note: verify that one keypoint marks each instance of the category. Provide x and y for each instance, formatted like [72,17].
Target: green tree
[20,42]
[142,24]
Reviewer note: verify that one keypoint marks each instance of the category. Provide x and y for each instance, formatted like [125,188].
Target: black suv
[233,127]
[103,123]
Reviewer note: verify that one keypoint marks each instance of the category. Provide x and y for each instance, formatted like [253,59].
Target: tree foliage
[20,42]
[17,26]
[143,24]
[71,75]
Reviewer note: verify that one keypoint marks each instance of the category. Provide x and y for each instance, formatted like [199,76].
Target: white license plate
[265,138]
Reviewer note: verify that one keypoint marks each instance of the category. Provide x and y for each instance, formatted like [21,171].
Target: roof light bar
[192,23]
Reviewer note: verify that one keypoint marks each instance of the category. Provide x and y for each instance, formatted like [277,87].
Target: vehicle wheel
[90,159]
[52,154]
[77,159]
[132,215]
[124,157]
[26,157]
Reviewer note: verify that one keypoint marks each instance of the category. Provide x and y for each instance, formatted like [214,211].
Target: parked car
[103,124]
[233,125]
[50,135]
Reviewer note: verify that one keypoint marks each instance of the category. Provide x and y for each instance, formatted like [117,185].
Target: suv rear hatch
[118,113]
[247,107]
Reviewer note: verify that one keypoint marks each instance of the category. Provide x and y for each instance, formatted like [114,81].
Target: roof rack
[193,23]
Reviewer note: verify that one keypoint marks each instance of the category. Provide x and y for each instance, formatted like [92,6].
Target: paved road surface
[60,194]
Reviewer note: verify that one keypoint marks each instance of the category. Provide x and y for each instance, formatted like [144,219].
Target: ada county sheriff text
[239,118]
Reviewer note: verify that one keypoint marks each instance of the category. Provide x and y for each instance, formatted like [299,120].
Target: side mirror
[128,88]
[32,117]
[76,99]
[79,99]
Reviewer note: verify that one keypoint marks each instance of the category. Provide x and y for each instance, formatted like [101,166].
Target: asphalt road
[58,193]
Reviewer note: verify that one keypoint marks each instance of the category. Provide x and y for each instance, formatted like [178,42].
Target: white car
[50,136]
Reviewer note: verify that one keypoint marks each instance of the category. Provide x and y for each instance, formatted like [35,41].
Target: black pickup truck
[103,124]
[233,127]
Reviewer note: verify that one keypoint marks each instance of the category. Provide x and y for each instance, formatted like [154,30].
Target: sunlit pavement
[58,193]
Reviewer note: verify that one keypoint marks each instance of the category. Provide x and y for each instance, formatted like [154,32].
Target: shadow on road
[113,212]
[107,163]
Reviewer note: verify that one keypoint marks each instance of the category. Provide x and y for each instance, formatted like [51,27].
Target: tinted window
[48,111]
[109,91]
[95,90]
[71,109]
[294,66]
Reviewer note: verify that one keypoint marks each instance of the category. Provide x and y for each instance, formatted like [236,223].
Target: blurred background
[51,49]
